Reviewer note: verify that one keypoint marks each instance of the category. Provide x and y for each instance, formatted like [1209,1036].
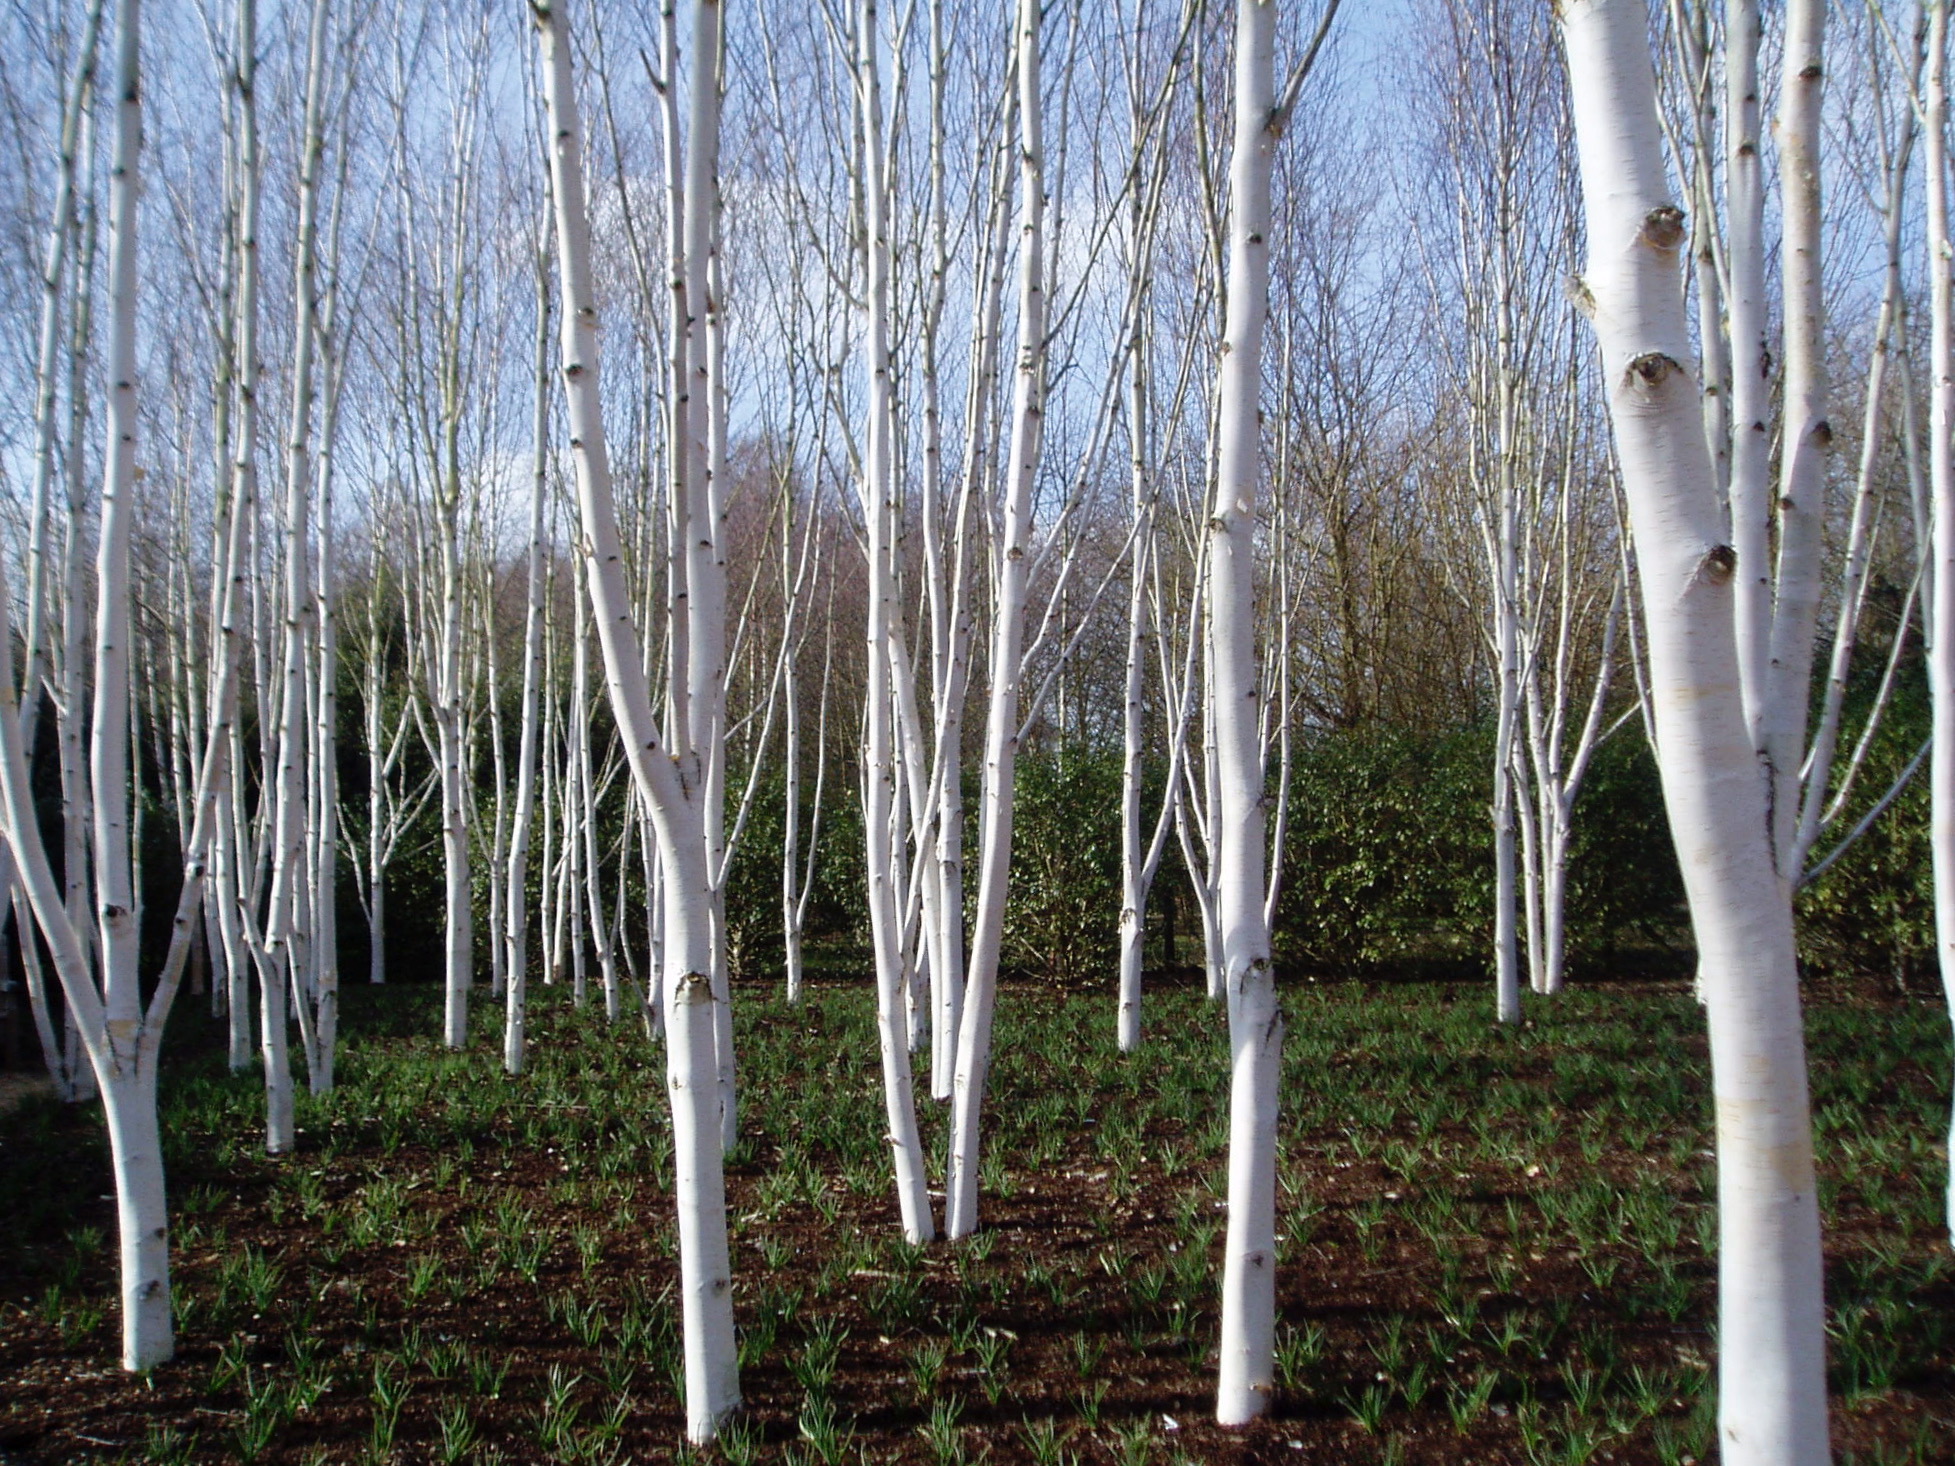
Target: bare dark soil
[1494,1245]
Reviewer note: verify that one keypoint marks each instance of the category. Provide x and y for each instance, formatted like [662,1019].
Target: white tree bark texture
[1771,1364]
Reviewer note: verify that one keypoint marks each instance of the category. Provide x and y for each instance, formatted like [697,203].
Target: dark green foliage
[1387,862]
[1389,851]
[1873,911]
[1063,919]
[1624,889]
[1385,848]
[837,910]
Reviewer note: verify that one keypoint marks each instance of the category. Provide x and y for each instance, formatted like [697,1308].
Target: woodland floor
[1493,1244]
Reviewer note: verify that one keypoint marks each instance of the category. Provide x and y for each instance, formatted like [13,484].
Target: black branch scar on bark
[1719,562]
[1652,366]
[1663,227]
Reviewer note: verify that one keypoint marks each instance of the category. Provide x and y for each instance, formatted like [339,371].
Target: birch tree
[1546,585]
[1234,691]
[676,802]
[1772,1391]
[439,335]
[267,950]
[1941,560]
[62,1053]
[100,979]
[295,851]
[1008,630]
[1140,857]
[388,717]
[879,774]
[515,903]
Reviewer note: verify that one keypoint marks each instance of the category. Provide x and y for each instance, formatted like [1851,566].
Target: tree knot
[1662,227]
[695,987]
[1653,366]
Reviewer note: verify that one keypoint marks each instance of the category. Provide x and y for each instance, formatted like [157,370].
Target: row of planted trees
[800,395]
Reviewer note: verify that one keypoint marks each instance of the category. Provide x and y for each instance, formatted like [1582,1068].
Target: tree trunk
[458,945]
[1007,647]
[1941,557]
[1805,435]
[705,488]
[142,1218]
[706,1291]
[1772,1393]
[1255,1022]
[1751,372]
[515,903]
[880,774]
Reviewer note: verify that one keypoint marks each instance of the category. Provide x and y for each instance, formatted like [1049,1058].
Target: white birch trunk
[705,493]
[62,228]
[1134,875]
[587,794]
[1805,435]
[76,816]
[376,864]
[1255,1021]
[791,786]
[575,809]
[706,1292]
[453,742]
[515,902]
[273,977]
[499,774]
[1820,799]
[292,840]
[879,775]
[1772,1386]
[1941,519]
[458,946]
[952,688]
[1139,859]
[1751,384]
[795,900]
[1007,647]
[938,921]
[1506,619]
[325,922]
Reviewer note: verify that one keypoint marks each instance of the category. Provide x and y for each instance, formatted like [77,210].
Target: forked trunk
[692,1060]
[1772,1375]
